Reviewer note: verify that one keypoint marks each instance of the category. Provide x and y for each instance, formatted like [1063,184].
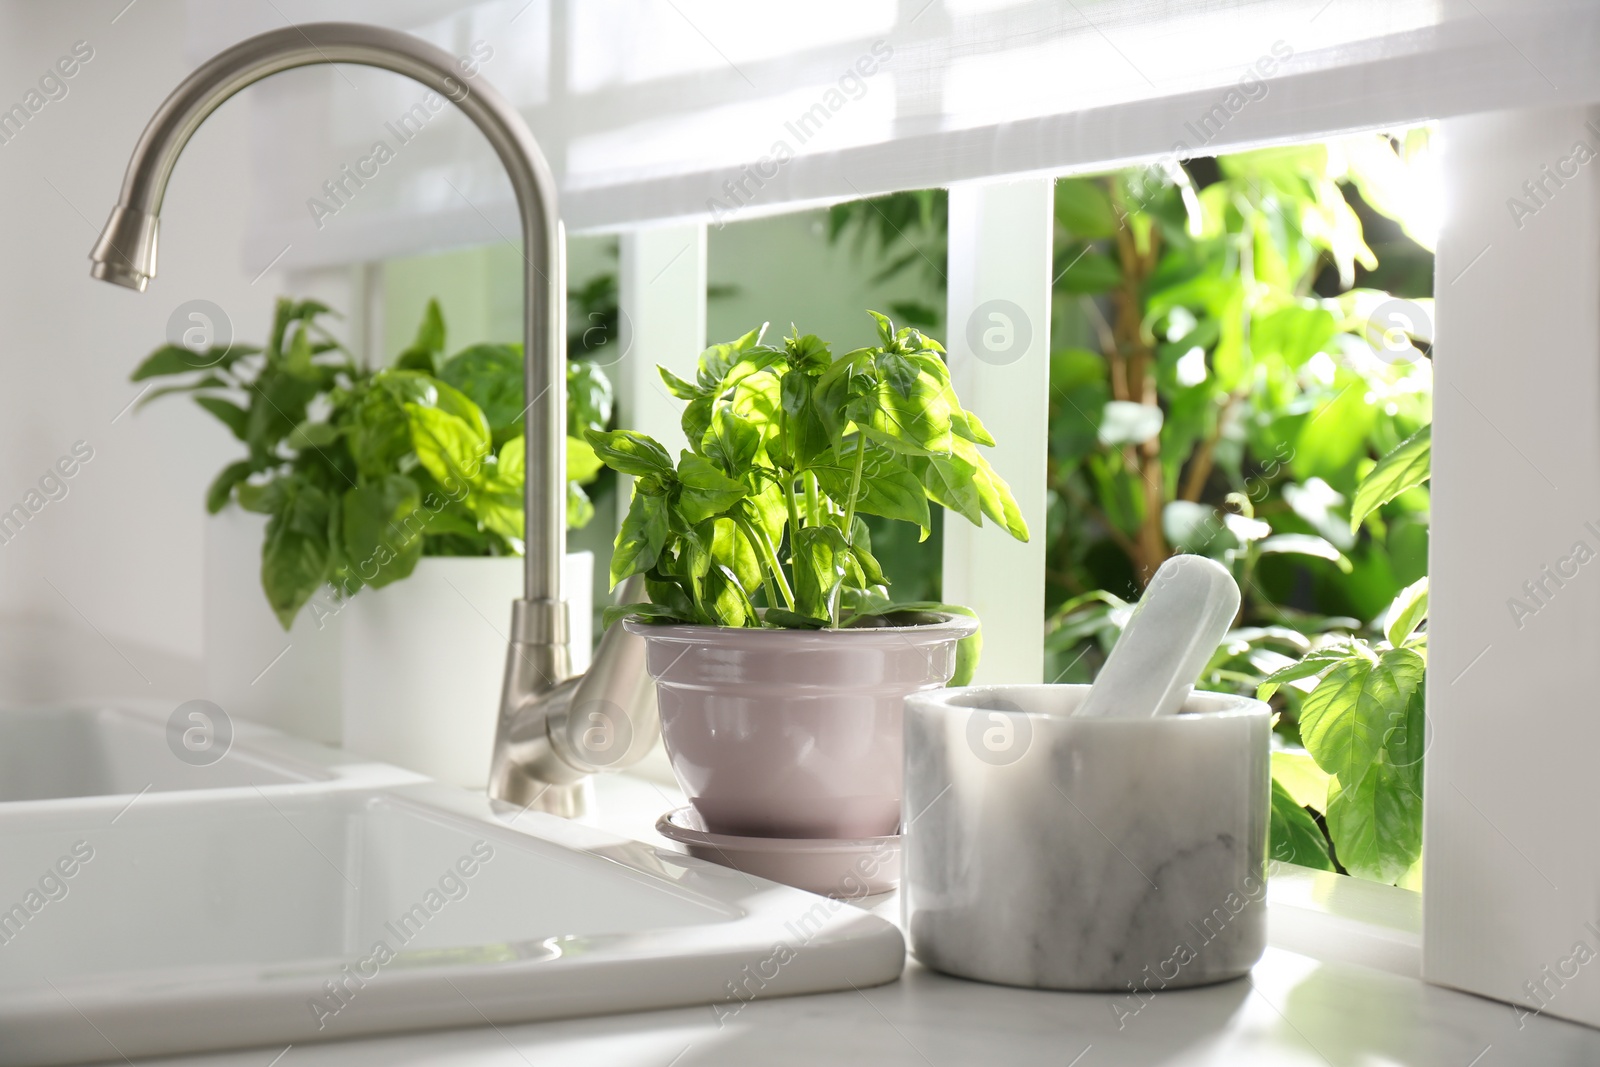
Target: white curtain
[651,110]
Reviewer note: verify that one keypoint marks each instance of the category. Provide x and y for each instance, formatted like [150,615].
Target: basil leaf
[490,375]
[820,555]
[452,401]
[265,499]
[421,390]
[724,600]
[705,491]
[916,422]
[298,359]
[964,423]
[1295,836]
[169,360]
[377,431]
[806,434]
[888,486]
[766,510]
[640,540]
[1407,611]
[210,381]
[994,495]
[899,372]
[948,481]
[222,486]
[670,596]
[793,620]
[1344,719]
[885,328]
[840,388]
[382,529]
[808,354]
[629,452]
[718,360]
[1405,738]
[732,440]
[678,387]
[694,556]
[1311,665]
[966,484]
[424,350]
[278,403]
[500,510]
[731,549]
[297,555]
[1377,824]
[697,419]
[644,611]
[449,448]
[1408,466]
[234,417]
[864,566]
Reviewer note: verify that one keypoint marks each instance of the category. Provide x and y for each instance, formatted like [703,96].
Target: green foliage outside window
[1237,343]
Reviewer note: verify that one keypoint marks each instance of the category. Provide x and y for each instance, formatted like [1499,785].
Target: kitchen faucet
[553,729]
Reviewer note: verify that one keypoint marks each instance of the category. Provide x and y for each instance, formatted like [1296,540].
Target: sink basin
[265,914]
[57,753]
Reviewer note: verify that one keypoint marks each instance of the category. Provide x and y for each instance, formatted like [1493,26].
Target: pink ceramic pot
[794,733]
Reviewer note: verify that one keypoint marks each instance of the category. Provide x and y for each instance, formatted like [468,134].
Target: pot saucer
[846,868]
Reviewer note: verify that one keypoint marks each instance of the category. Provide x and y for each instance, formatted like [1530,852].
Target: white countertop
[1293,1009]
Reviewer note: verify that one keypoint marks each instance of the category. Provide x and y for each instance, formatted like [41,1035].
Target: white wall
[101,591]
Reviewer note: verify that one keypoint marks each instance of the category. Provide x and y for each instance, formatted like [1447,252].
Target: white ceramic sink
[305,909]
[57,753]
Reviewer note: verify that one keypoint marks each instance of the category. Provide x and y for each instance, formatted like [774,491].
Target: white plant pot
[373,672]
[423,658]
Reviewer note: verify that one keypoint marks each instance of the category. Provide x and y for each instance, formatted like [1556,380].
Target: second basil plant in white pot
[403,485]
[781,657]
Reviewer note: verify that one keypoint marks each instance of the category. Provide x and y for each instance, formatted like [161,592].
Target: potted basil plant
[780,656]
[387,506]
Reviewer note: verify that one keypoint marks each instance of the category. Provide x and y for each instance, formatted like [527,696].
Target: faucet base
[570,800]
[553,734]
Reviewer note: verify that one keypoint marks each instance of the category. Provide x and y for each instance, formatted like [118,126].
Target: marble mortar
[1105,854]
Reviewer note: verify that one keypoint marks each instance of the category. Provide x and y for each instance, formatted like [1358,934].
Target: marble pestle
[1183,616]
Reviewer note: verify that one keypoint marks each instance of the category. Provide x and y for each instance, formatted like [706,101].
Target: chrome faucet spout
[538,688]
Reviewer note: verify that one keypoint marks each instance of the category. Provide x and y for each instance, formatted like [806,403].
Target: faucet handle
[612,720]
